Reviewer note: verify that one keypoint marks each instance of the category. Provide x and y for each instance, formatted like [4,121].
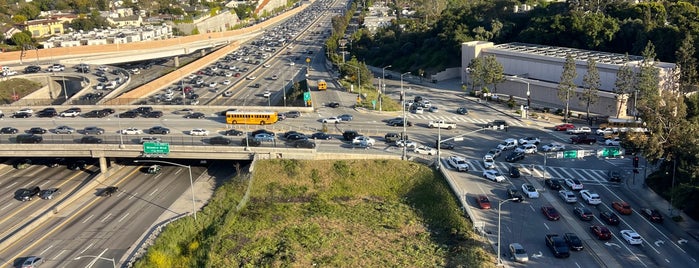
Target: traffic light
[635,161]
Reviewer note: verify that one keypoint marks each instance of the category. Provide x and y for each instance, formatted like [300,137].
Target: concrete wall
[219,23]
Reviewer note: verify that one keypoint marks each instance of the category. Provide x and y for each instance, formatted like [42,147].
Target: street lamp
[96,257]
[405,122]
[382,85]
[191,183]
[359,78]
[499,212]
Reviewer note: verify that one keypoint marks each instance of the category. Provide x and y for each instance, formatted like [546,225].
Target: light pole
[519,79]
[359,79]
[382,86]
[405,122]
[96,257]
[529,100]
[191,183]
[499,212]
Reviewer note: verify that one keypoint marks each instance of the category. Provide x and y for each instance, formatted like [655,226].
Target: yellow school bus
[251,118]
[322,85]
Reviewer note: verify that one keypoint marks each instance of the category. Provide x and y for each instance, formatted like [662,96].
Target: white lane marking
[154,191]
[124,217]
[106,217]
[86,248]
[44,251]
[88,218]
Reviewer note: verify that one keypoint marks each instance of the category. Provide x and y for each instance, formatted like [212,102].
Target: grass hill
[364,213]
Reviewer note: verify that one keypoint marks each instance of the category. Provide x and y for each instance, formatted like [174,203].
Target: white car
[266,65]
[568,196]
[553,147]
[409,144]
[212,84]
[459,163]
[69,113]
[226,82]
[530,191]
[631,237]
[267,94]
[488,162]
[25,110]
[529,140]
[131,131]
[613,142]
[590,197]
[527,149]
[332,120]
[494,152]
[425,150]
[518,252]
[275,77]
[199,132]
[508,144]
[574,184]
[364,140]
[493,175]
[291,63]
[419,110]
[606,131]
[9,72]
[250,77]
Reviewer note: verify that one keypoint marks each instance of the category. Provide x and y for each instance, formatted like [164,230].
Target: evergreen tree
[624,84]
[476,73]
[687,63]
[591,83]
[493,72]
[566,87]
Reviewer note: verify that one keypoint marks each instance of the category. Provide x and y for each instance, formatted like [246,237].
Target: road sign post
[156,148]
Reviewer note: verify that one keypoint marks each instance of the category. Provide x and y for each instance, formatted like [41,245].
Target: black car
[573,241]
[37,130]
[609,217]
[262,131]
[144,110]
[250,142]
[392,137]
[48,112]
[8,130]
[583,213]
[305,144]
[95,114]
[614,176]
[446,145]
[220,140]
[49,194]
[153,114]
[109,191]
[197,115]
[333,104]
[29,138]
[497,123]
[288,133]
[77,165]
[28,194]
[91,139]
[321,136]
[32,69]
[233,132]
[553,184]
[514,193]
[462,110]
[349,135]
[108,110]
[514,156]
[296,137]
[514,172]
[652,215]
[22,115]
[128,114]
[398,122]
[158,130]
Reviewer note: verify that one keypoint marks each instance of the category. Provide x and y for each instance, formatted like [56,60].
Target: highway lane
[106,226]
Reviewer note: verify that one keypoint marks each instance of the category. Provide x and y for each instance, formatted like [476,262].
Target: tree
[19,18]
[476,72]
[21,39]
[688,64]
[566,87]
[591,83]
[493,72]
[624,84]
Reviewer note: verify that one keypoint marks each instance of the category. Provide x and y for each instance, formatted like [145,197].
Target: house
[42,27]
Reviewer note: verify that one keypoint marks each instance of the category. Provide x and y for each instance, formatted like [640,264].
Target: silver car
[93,130]
[519,253]
[64,130]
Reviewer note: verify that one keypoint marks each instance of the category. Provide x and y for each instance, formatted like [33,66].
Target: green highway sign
[306,96]
[570,154]
[610,152]
[156,148]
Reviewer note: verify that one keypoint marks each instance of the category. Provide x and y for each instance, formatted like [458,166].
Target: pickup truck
[580,130]
[441,124]
[558,246]
[583,139]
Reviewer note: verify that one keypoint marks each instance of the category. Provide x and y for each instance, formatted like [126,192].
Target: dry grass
[19,86]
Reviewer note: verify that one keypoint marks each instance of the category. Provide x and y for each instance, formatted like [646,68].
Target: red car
[564,127]
[551,213]
[236,75]
[483,202]
[622,207]
[601,232]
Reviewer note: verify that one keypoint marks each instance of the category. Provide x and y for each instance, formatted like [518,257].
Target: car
[349,135]
[398,122]
[601,232]
[551,213]
[606,131]
[32,261]
[21,115]
[445,145]
[69,113]
[199,132]
[515,195]
[27,194]
[263,137]
[304,144]
[527,149]
[363,139]
[574,184]
[196,115]
[568,196]
[514,172]
[614,176]
[583,213]
[158,130]
[261,131]
[128,114]
[95,114]
[37,130]
[553,147]
[93,130]
[320,136]
[425,150]
[631,237]
[494,153]
[652,215]
[220,140]
[90,140]
[227,82]
[488,162]
[228,93]
[149,139]
[333,104]
[8,130]
[77,164]
[502,124]
[407,143]
[622,207]
[109,191]
[529,140]
[29,138]
[185,111]
[153,114]
[609,217]
[345,117]
[564,127]
[530,191]
[590,197]
[418,110]
[233,132]
[483,202]
[574,242]
[333,120]
[507,144]
[22,163]
[251,77]
[514,157]
[295,137]
[49,194]
[493,175]
[64,130]
[392,137]
[131,131]
[458,163]
[612,142]
[293,114]
[462,110]
[267,94]
[433,109]
[48,112]
[517,251]
[553,184]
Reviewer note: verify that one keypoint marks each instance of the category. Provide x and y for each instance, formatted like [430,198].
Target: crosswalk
[429,117]
[584,175]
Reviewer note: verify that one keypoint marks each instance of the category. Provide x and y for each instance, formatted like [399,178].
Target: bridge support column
[104,167]
[203,52]
[177,61]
